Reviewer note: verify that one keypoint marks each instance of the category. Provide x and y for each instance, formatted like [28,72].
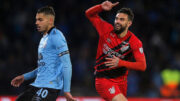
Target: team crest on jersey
[141,50]
[112,90]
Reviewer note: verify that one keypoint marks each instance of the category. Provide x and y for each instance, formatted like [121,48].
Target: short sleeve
[59,43]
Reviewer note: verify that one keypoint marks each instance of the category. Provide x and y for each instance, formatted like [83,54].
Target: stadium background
[156,23]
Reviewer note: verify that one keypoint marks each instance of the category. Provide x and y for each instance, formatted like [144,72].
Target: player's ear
[129,23]
[51,20]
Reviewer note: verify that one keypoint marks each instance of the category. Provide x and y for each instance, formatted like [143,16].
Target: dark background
[156,23]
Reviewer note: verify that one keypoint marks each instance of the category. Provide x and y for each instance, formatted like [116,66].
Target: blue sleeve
[59,42]
[30,75]
[67,71]
[62,51]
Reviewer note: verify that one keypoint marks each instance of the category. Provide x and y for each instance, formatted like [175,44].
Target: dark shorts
[38,94]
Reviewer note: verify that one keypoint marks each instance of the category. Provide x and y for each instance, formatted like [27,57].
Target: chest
[44,44]
[112,45]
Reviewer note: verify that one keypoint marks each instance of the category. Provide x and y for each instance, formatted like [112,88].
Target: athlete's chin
[39,30]
[117,29]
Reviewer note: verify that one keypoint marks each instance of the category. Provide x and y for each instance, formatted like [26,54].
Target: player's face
[42,22]
[121,23]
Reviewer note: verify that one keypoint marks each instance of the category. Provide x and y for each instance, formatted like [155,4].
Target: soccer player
[54,66]
[118,51]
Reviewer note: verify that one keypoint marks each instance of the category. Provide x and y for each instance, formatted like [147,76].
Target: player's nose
[117,23]
[36,23]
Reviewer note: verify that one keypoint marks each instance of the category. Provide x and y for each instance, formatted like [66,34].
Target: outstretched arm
[98,23]
[30,75]
[17,81]
[106,6]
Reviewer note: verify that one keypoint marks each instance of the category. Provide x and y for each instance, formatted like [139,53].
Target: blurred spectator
[171,81]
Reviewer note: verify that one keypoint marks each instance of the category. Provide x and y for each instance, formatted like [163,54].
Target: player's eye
[40,19]
[122,19]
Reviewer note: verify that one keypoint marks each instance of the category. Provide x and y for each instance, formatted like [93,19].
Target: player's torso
[48,65]
[109,45]
[46,52]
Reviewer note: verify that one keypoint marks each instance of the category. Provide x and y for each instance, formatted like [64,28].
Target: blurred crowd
[156,23]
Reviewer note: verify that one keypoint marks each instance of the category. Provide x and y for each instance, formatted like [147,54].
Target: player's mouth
[38,27]
[117,26]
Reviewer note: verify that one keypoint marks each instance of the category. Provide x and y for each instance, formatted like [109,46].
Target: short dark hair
[48,10]
[127,11]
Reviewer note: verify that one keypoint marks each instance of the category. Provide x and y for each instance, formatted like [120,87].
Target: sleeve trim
[63,53]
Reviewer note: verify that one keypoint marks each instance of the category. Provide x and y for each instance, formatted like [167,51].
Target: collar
[50,29]
[125,37]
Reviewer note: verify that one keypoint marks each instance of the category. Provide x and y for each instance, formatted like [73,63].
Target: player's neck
[123,34]
[49,27]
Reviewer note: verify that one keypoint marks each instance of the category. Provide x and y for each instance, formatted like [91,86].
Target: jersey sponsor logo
[110,52]
[124,48]
[112,90]
[40,57]
[141,50]
[63,53]
[124,42]
[41,64]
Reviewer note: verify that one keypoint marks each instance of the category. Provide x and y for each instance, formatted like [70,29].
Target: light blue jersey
[54,65]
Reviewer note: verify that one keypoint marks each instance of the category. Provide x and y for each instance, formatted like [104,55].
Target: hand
[69,96]
[17,81]
[107,5]
[112,62]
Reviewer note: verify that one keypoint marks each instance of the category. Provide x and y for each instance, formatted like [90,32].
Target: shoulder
[134,40]
[56,33]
